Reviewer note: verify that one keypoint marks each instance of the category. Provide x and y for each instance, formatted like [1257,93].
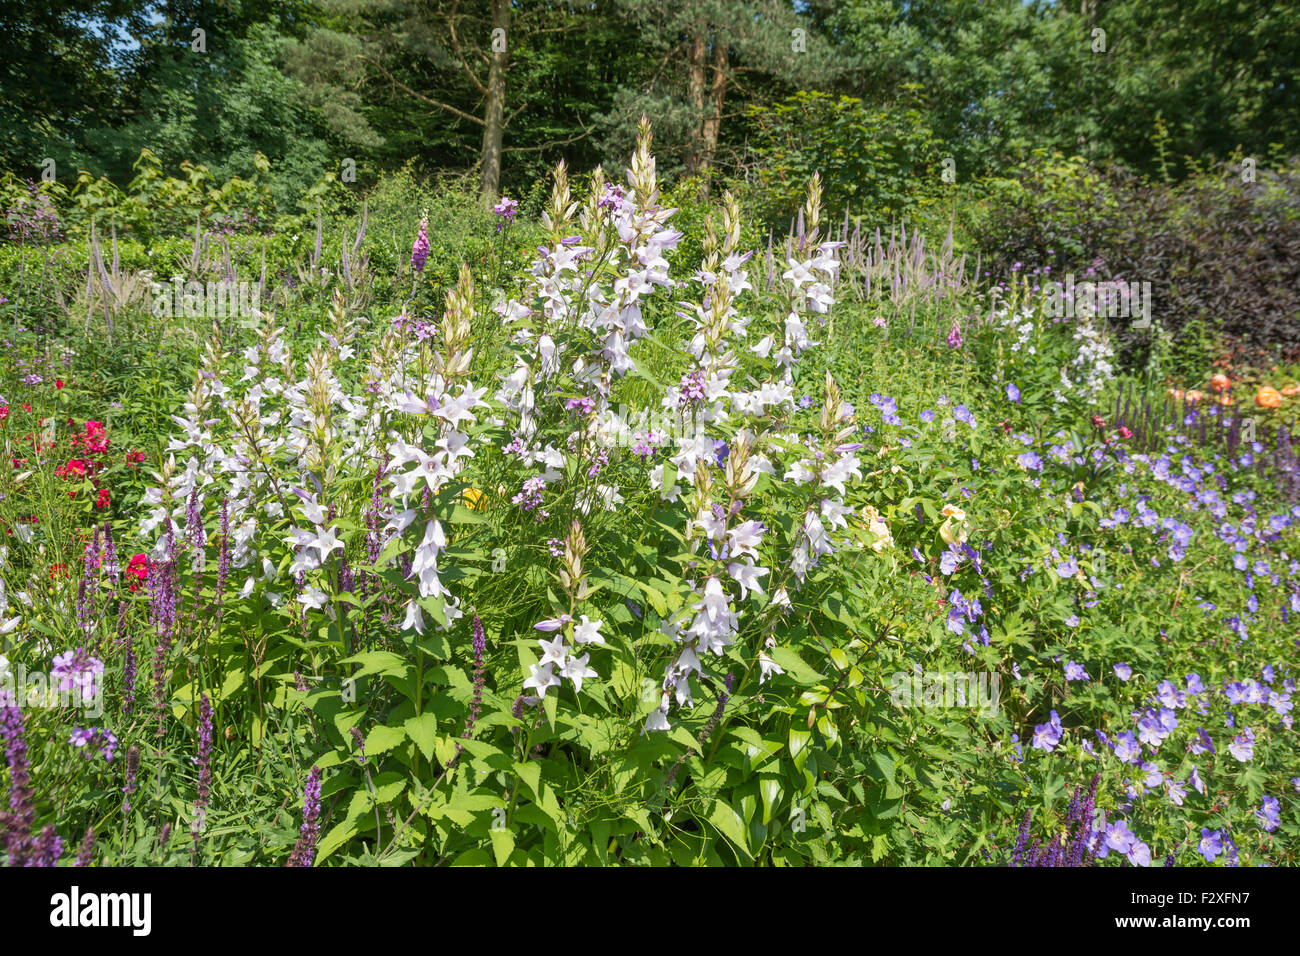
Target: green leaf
[473,857]
[531,774]
[769,791]
[423,730]
[798,744]
[730,825]
[462,515]
[655,597]
[377,662]
[333,840]
[794,666]
[503,844]
[444,749]
[885,764]
[382,739]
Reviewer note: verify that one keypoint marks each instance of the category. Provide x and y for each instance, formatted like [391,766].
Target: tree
[1004,77]
[752,47]
[450,55]
[58,75]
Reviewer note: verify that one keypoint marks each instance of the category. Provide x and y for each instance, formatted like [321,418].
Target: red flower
[1124,432]
[1098,421]
[138,568]
[4,412]
[58,383]
[76,468]
[103,499]
[26,407]
[95,440]
[134,458]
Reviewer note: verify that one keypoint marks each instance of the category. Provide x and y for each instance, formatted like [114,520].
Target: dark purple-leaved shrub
[1221,253]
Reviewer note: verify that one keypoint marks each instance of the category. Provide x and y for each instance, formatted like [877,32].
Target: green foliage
[804,738]
[879,163]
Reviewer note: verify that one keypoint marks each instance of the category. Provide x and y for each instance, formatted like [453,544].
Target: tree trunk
[494,109]
[696,63]
[713,118]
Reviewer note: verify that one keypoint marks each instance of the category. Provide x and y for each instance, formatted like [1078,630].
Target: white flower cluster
[1091,367]
[1019,329]
[269,450]
[273,447]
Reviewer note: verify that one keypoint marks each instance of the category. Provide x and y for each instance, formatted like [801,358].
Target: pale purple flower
[1075,671]
[94,741]
[1243,746]
[1048,735]
[1127,749]
[1210,845]
[507,208]
[1270,814]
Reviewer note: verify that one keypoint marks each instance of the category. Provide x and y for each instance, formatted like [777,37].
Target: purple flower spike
[304,851]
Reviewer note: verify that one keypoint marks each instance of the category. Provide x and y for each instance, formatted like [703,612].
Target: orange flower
[1292,389]
[1225,400]
[1176,394]
[1268,397]
[1220,382]
[1193,396]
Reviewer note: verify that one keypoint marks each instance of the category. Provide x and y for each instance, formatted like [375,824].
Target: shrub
[881,164]
[1220,253]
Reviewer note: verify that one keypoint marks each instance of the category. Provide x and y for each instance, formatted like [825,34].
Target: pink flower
[420,250]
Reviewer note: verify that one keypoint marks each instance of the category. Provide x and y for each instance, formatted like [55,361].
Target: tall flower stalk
[304,851]
[17,821]
[205,772]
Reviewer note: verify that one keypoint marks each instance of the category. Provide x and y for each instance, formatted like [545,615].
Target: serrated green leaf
[423,730]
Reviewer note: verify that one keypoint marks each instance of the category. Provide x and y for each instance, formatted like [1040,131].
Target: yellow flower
[952,534]
[475,499]
[879,531]
[953,530]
